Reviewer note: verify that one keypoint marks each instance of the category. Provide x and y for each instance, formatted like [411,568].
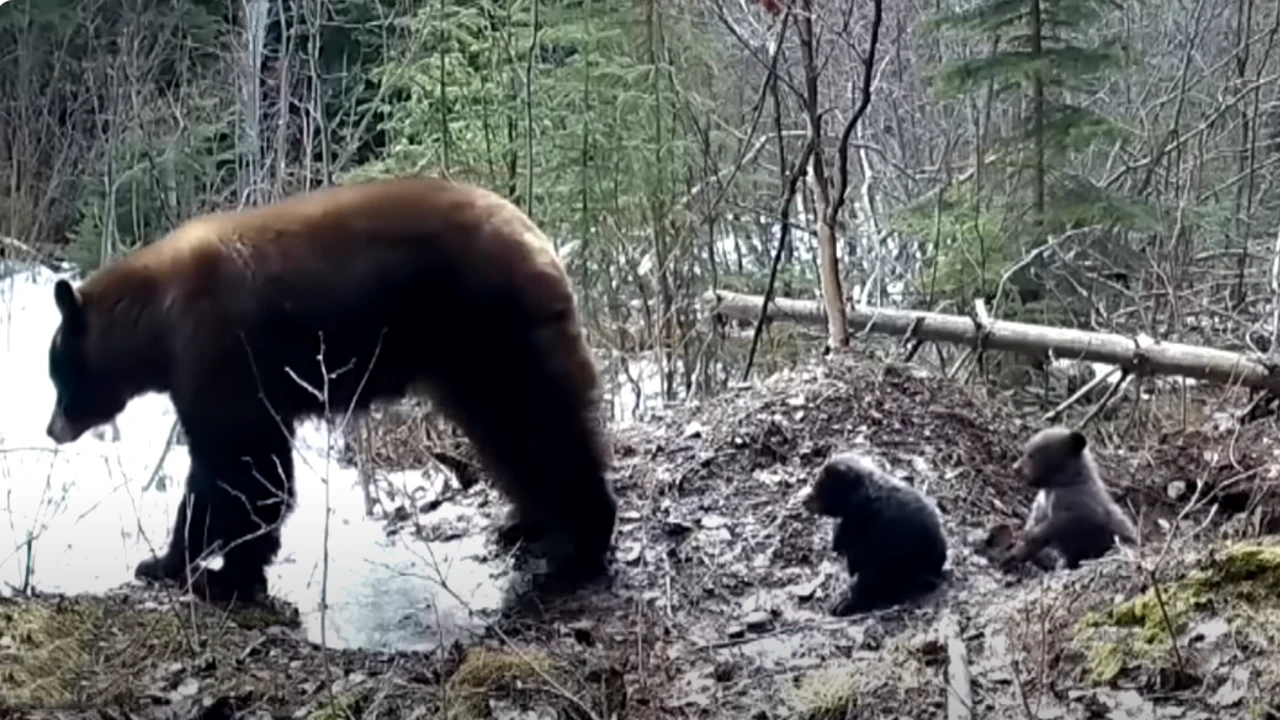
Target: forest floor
[718,604]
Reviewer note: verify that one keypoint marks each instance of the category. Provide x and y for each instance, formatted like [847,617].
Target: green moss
[1156,621]
[1250,572]
[482,668]
[486,674]
[1141,630]
[44,650]
[1106,660]
[824,694]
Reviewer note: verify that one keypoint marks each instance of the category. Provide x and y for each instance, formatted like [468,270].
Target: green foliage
[970,254]
[150,183]
[591,111]
[1041,70]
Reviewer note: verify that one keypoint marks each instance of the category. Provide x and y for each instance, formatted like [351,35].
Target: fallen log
[1138,356]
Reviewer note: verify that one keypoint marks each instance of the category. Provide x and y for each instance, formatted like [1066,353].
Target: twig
[164,453]
[1056,413]
[792,182]
[1107,399]
[959,684]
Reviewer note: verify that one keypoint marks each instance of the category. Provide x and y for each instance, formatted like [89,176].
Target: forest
[977,219]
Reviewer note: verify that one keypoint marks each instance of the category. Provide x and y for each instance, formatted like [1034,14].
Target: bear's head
[87,396]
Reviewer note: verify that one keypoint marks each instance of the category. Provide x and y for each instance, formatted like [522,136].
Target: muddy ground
[718,607]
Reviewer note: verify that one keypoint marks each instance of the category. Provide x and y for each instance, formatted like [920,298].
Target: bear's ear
[1077,442]
[68,301]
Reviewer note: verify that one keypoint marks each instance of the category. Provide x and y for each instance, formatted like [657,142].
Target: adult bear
[410,285]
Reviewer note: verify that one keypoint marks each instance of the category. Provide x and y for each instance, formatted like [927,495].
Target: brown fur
[1073,514]
[414,284]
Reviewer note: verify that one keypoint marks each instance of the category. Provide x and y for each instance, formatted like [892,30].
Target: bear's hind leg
[878,588]
[534,422]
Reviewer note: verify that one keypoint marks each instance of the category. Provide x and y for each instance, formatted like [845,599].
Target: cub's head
[1054,457]
[86,396]
[843,485]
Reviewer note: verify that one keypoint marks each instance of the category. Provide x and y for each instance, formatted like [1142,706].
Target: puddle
[90,522]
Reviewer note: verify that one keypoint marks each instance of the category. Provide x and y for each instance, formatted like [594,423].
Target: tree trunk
[825,206]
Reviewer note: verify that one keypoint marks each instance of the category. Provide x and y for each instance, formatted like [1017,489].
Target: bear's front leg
[186,543]
[250,486]
[868,591]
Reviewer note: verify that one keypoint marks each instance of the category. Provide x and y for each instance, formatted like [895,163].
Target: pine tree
[1041,57]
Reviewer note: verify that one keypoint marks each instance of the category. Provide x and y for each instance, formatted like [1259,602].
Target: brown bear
[395,287]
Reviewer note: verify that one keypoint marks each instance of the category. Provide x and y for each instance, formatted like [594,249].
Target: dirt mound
[956,443]
[731,580]
[1222,469]
[728,580]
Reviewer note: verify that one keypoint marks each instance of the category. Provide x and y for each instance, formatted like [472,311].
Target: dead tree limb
[1163,358]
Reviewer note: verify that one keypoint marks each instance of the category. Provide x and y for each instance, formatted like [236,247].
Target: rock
[806,591]
[188,687]
[718,535]
[1209,632]
[676,528]
[711,522]
[1233,690]
[758,621]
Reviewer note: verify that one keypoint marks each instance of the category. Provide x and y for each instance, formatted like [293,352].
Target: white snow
[89,523]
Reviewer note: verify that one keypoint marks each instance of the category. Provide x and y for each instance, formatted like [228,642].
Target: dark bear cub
[889,534]
[1073,515]
[403,286]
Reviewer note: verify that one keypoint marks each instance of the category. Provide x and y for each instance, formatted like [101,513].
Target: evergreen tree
[1027,183]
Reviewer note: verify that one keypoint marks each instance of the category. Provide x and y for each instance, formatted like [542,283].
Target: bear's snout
[59,430]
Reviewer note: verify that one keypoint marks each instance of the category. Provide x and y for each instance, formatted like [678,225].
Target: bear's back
[461,240]
[466,221]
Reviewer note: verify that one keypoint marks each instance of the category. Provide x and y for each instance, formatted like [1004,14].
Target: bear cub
[888,533]
[1073,516]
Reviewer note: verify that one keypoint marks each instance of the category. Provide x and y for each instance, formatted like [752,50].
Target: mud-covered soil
[718,607]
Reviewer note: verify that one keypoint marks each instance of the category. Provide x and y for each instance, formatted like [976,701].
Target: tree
[1037,59]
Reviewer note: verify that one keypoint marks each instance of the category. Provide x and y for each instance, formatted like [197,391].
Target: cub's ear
[68,301]
[1077,442]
